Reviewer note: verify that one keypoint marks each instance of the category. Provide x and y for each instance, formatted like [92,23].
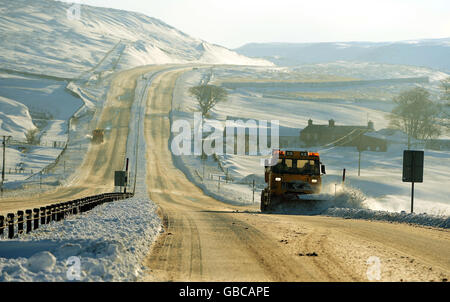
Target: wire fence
[26,221]
[44,143]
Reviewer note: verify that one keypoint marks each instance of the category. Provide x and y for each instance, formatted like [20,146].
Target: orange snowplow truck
[296,173]
[97,136]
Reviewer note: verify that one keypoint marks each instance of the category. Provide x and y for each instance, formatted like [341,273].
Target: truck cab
[295,173]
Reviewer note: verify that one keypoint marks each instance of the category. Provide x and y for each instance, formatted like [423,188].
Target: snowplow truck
[295,173]
[97,136]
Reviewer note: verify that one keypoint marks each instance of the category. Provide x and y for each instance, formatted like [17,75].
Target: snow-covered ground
[32,103]
[110,242]
[53,138]
[381,172]
[55,131]
[32,161]
[44,98]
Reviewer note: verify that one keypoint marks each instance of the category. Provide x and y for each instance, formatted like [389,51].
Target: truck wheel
[263,202]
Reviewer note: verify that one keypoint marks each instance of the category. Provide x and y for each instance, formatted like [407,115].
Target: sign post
[5,138]
[126,176]
[412,170]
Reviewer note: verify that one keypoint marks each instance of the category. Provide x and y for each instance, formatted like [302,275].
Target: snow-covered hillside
[40,37]
[15,118]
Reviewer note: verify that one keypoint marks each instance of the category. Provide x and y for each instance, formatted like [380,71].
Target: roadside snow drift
[110,241]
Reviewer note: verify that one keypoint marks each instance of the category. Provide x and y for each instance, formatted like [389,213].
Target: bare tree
[32,136]
[208,96]
[415,114]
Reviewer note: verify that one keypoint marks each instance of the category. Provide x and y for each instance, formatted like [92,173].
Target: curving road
[207,240]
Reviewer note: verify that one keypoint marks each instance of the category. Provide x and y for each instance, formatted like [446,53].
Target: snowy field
[380,182]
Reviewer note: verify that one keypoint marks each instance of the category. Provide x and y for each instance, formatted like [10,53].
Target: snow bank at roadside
[111,241]
[351,203]
[412,218]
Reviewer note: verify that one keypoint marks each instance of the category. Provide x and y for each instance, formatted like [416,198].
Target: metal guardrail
[29,220]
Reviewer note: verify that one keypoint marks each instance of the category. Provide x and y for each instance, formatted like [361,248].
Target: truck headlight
[314,181]
[277,178]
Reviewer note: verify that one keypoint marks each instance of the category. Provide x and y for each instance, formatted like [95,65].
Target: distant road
[96,174]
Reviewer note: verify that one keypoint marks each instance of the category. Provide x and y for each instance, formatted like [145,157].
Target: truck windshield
[297,166]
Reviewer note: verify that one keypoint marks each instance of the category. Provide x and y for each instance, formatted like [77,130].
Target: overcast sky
[233,23]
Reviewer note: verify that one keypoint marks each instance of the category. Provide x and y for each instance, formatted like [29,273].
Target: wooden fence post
[75,207]
[29,218]
[53,209]
[58,208]
[2,224]
[48,210]
[20,222]
[43,220]
[65,212]
[10,222]
[36,218]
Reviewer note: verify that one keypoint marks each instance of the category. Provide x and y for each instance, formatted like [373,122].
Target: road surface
[207,240]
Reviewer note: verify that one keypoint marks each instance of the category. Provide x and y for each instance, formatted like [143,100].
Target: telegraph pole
[360,149]
[359,163]
[3,165]
[253,188]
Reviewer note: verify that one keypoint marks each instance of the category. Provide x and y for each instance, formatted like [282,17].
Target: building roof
[333,128]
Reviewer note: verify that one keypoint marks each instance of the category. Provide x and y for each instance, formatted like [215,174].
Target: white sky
[233,23]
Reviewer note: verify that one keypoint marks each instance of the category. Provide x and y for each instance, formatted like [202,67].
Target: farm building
[334,135]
